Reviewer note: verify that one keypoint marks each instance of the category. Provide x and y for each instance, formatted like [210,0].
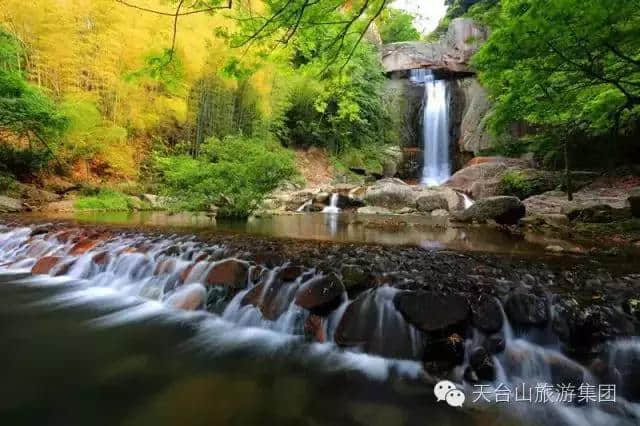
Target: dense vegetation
[396,26]
[110,93]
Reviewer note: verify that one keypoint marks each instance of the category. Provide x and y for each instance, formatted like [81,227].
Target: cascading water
[265,314]
[333,204]
[435,128]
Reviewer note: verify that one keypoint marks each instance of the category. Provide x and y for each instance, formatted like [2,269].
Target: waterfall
[333,204]
[435,128]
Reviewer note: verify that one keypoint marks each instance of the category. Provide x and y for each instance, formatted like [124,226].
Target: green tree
[396,25]
[570,68]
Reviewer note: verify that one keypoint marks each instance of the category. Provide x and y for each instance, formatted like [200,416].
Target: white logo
[447,391]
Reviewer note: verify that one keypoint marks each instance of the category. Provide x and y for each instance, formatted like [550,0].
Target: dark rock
[442,354]
[433,312]
[599,213]
[229,273]
[565,371]
[482,363]
[290,273]
[361,326]
[527,309]
[321,294]
[582,329]
[104,258]
[496,344]
[487,314]
[355,277]
[504,210]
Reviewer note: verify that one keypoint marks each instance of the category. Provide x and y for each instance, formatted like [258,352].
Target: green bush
[524,184]
[23,162]
[233,174]
[396,26]
[105,199]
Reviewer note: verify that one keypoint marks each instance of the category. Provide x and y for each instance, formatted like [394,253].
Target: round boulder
[433,312]
[504,210]
[527,309]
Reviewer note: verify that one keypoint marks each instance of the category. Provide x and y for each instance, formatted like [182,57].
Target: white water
[333,204]
[144,285]
[435,128]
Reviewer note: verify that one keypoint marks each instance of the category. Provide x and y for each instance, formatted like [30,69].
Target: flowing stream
[118,327]
[435,128]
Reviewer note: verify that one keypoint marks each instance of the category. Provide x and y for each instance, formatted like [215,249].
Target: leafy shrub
[526,184]
[234,174]
[105,199]
[397,25]
[23,162]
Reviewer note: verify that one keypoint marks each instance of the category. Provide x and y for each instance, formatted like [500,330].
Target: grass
[108,200]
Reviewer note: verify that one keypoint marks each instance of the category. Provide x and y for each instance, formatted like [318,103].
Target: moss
[108,199]
[524,185]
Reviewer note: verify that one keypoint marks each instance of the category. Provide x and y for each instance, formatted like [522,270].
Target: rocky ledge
[430,302]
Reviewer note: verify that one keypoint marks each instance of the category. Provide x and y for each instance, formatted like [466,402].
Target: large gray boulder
[556,202]
[504,210]
[390,193]
[451,53]
[474,134]
[439,198]
[9,205]
[476,179]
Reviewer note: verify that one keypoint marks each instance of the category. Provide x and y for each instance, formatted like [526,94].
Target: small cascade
[285,305]
[435,128]
[468,202]
[333,204]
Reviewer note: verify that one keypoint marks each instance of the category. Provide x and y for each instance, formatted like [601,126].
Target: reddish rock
[321,294]
[229,273]
[290,273]
[64,236]
[44,265]
[189,298]
[83,246]
[272,300]
[184,274]
[314,328]
[102,258]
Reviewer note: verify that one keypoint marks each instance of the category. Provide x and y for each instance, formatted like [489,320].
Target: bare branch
[190,12]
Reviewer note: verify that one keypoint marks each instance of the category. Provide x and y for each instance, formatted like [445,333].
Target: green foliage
[24,109]
[566,67]
[165,70]
[515,183]
[7,182]
[106,199]
[23,162]
[233,174]
[396,26]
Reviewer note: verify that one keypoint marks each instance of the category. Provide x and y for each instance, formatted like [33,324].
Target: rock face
[555,202]
[474,135]
[504,210]
[451,53]
[391,194]
[9,205]
[527,309]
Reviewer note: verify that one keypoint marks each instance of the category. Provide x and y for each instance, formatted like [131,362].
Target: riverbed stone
[9,205]
[229,273]
[44,265]
[504,210]
[390,193]
[190,297]
[433,312]
[430,201]
[374,210]
[321,294]
[526,309]
[487,314]
[482,363]
[355,278]
[596,213]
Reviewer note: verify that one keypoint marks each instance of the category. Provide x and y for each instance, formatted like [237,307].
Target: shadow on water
[423,231]
[64,363]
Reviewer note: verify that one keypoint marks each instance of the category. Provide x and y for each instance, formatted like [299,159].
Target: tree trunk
[567,171]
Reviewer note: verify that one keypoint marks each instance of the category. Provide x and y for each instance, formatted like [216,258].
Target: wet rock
[527,309]
[442,354]
[102,258]
[433,312]
[44,265]
[272,298]
[482,363]
[321,294]
[9,205]
[554,249]
[371,323]
[314,328]
[564,370]
[487,314]
[229,273]
[582,329]
[496,344]
[190,297]
[290,273]
[355,278]
[83,246]
[390,193]
[634,201]
[504,210]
